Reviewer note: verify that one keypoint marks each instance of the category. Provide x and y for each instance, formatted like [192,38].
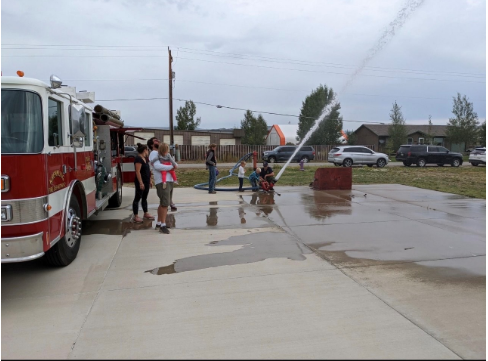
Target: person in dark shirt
[211,163]
[267,173]
[142,183]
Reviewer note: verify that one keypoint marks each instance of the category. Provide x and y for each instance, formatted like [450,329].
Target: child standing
[254,178]
[168,160]
[242,170]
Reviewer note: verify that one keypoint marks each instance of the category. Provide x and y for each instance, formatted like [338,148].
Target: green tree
[463,128]
[482,134]
[351,137]
[186,117]
[329,130]
[255,129]
[397,131]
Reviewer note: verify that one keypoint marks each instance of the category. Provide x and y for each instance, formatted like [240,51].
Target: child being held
[168,160]
[254,177]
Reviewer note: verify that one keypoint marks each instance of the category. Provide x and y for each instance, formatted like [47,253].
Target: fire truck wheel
[65,251]
[116,200]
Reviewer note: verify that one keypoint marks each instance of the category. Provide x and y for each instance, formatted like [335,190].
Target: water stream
[400,19]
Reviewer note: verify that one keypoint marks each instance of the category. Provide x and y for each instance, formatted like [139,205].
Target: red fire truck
[61,163]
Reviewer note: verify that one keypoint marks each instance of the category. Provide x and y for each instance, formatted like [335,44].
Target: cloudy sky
[265,55]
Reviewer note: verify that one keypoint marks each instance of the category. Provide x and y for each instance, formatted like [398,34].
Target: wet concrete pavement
[381,271]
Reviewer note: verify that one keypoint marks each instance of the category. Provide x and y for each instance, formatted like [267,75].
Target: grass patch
[466,181]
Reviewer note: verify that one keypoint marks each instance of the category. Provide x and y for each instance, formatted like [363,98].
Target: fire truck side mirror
[55,82]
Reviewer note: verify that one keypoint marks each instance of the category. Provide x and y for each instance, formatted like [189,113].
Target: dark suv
[428,154]
[284,152]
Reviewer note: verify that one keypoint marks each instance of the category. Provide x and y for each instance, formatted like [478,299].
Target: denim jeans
[211,178]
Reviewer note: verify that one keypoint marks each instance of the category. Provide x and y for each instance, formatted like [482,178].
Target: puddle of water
[196,204]
[220,218]
[255,248]
[121,227]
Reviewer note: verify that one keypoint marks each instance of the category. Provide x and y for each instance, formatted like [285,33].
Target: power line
[232,108]
[330,72]
[259,87]
[239,64]
[235,55]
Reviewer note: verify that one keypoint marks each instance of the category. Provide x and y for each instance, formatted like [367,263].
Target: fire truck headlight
[5,183]
[6,213]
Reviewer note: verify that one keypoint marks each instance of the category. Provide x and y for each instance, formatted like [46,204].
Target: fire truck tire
[65,251]
[116,200]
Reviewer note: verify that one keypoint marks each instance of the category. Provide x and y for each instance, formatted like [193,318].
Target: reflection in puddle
[121,227]
[264,201]
[212,218]
[255,248]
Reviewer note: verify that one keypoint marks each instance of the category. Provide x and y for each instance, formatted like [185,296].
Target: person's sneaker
[157,226]
[173,209]
[214,192]
[164,230]
[164,185]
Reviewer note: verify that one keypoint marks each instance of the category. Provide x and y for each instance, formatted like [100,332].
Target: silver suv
[349,155]
[130,151]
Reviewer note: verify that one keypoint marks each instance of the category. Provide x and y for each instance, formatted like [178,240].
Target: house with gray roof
[377,135]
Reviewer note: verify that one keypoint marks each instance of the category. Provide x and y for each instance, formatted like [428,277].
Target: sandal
[149,217]
[133,220]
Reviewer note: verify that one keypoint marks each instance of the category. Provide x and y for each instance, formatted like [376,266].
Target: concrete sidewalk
[382,271]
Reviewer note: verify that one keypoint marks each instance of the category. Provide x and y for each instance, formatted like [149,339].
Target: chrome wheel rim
[73,228]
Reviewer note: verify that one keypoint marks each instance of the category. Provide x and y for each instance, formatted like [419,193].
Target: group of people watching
[154,157]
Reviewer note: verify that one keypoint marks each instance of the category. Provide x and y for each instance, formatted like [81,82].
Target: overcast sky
[265,55]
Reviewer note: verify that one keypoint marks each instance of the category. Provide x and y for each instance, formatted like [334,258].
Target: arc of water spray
[402,16]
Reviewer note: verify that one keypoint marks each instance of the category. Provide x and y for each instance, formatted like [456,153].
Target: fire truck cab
[61,163]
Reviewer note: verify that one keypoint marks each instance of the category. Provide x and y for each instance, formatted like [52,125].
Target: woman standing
[142,183]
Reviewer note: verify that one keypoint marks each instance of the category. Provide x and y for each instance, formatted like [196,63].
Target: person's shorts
[164,194]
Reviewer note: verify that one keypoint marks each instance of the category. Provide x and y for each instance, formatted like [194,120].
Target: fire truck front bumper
[21,249]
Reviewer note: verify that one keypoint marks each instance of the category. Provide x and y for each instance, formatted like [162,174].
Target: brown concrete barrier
[333,178]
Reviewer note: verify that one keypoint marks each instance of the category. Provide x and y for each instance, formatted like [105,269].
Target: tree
[185,117]
[329,130]
[351,137]
[397,131]
[482,134]
[255,129]
[463,128]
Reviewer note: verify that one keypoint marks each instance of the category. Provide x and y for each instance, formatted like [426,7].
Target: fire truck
[61,163]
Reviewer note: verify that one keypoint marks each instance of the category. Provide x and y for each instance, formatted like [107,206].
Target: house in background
[282,134]
[190,137]
[377,135]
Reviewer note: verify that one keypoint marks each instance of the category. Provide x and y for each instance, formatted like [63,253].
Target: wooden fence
[232,153]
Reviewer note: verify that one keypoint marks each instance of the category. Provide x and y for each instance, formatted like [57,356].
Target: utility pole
[170,77]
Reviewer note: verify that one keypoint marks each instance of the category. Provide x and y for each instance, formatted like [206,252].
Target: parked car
[130,151]
[428,154]
[349,155]
[478,156]
[284,152]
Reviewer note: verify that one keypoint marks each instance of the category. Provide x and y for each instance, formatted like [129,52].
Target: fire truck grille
[26,211]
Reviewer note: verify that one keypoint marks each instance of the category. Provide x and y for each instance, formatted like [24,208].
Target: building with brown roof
[377,135]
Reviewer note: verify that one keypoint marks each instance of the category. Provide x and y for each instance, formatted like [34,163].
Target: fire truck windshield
[21,122]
